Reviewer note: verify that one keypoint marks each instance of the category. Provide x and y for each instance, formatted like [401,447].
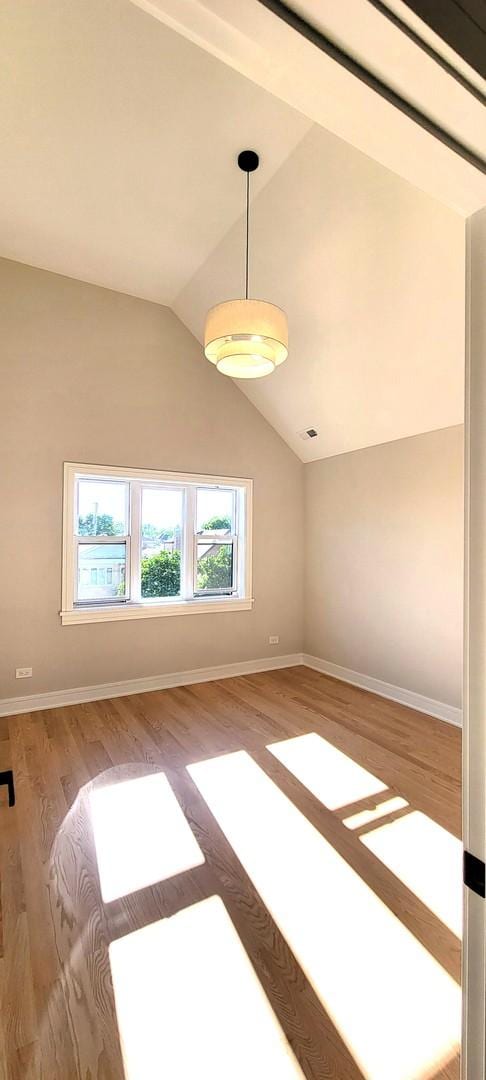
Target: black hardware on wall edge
[474,873]
[7,778]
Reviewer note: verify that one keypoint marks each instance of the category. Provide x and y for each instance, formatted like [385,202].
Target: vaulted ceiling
[118,168]
[120,138]
[371,274]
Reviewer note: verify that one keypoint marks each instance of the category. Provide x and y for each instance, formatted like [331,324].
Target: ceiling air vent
[309,433]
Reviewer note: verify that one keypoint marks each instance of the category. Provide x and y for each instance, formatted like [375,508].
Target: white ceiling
[252,39]
[120,137]
[363,32]
[119,142]
[371,274]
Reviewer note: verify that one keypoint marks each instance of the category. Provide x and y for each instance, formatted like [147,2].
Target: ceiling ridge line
[429,49]
[356,68]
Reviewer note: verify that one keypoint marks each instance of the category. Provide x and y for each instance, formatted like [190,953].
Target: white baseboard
[55,698]
[423,704]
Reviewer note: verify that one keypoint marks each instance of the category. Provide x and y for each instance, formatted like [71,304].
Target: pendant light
[246,339]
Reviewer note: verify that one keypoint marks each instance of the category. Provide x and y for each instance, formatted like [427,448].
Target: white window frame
[134,607]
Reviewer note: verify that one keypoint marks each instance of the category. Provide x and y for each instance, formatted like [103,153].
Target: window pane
[161,542]
[102,508]
[215,510]
[214,566]
[101,571]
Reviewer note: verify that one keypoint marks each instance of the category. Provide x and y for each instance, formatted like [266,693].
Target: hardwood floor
[58,1016]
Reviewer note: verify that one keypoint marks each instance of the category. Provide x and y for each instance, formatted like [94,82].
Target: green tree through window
[216,523]
[161,574]
[99,525]
[215,570]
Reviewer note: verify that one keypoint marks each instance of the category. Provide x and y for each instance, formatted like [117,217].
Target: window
[216,548]
[141,544]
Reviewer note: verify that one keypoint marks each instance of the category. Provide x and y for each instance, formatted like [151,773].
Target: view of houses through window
[101,571]
[104,512]
[215,520]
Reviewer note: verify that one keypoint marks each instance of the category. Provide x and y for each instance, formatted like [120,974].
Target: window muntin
[202,524]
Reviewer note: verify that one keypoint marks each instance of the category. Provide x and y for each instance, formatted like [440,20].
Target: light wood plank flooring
[58,1017]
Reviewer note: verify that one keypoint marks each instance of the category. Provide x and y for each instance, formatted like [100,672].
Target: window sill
[152,611]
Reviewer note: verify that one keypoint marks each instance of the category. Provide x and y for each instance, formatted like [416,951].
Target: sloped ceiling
[255,38]
[119,169]
[371,274]
[119,144]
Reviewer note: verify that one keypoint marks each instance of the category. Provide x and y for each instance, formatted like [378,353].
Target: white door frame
[474,706]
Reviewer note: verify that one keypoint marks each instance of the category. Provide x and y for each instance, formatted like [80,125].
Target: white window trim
[149,609]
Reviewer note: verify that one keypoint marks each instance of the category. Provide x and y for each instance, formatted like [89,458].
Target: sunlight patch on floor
[423,855]
[427,859]
[366,817]
[395,1007]
[327,772]
[189,1004]
[141,835]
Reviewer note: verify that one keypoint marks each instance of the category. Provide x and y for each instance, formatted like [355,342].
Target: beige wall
[383,562]
[92,375]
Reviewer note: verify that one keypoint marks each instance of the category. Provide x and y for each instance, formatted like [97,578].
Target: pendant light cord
[247,264]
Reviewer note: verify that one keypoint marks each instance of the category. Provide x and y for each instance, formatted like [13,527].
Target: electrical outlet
[273,640]
[23,673]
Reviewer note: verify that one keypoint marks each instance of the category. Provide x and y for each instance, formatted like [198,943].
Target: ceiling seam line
[354,67]
[428,49]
